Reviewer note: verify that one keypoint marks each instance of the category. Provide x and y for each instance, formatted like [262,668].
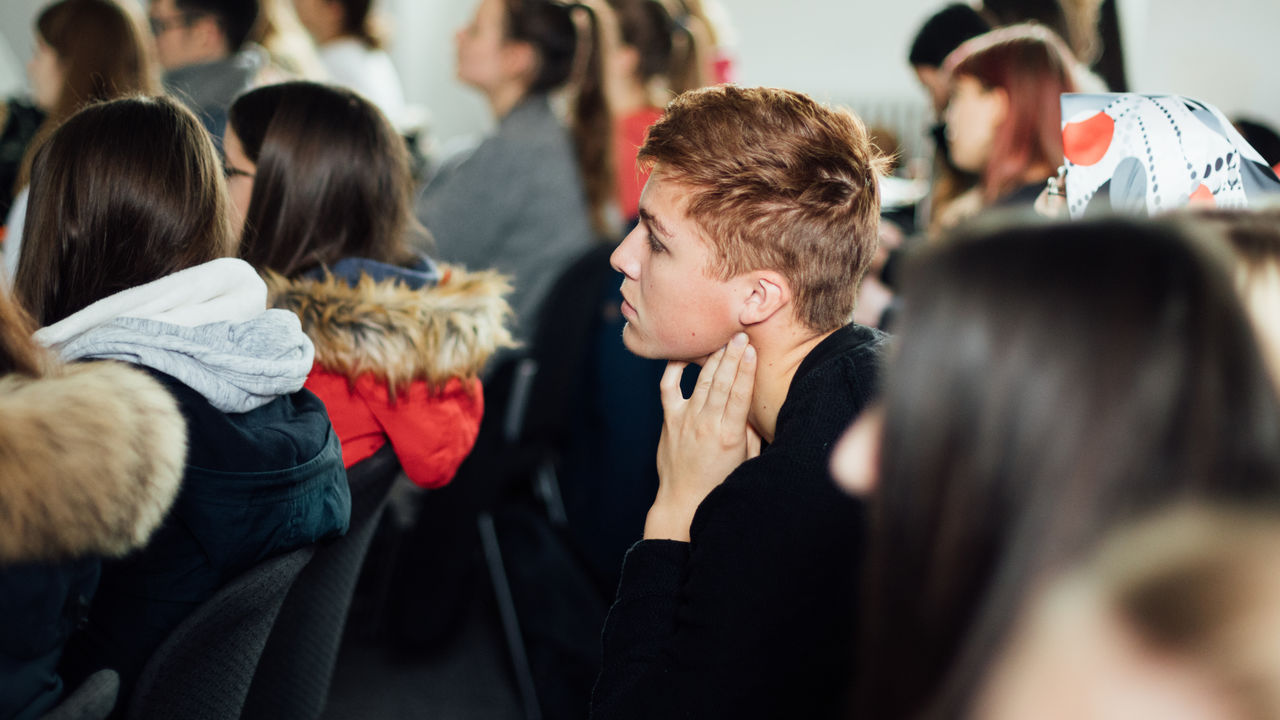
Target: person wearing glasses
[204,50]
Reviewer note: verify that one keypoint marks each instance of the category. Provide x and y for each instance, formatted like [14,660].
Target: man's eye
[655,246]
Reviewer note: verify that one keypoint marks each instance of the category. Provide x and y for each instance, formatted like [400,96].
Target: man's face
[674,309]
[177,37]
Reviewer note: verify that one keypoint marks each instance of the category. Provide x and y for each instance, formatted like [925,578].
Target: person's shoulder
[850,356]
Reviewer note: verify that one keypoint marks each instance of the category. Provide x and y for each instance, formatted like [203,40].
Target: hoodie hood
[400,329]
[206,326]
[91,457]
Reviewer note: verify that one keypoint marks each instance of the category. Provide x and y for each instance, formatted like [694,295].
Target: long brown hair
[123,193]
[1048,383]
[566,39]
[104,51]
[668,51]
[1034,68]
[322,191]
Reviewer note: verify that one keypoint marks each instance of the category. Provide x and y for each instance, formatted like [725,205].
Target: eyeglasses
[160,26]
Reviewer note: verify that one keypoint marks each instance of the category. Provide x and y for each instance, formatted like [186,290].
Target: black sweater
[754,616]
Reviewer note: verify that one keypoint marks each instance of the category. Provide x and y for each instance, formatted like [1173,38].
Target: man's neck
[779,352]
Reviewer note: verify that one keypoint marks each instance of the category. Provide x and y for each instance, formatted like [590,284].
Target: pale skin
[487,61]
[743,331]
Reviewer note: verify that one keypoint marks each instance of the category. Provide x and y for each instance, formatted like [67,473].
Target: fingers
[753,443]
[669,386]
[741,387]
[705,378]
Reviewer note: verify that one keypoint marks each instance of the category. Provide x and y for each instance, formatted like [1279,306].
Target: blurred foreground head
[1177,617]
[1049,383]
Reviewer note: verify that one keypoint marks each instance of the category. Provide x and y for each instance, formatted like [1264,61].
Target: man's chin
[638,346]
[631,339]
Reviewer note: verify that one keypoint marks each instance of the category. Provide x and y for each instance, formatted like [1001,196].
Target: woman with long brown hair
[86,51]
[1047,384]
[1003,118]
[130,256]
[325,212]
[534,194]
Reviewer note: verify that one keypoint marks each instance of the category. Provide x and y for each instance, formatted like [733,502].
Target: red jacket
[426,344]
[432,432]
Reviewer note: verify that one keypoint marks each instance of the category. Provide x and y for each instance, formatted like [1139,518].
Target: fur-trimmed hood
[91,457]
[400,334]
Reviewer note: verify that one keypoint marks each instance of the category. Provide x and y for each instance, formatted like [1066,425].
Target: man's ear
[767,293]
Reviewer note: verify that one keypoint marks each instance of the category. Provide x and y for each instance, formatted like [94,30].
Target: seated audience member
[291,53]
[324,210]
[640,61]
[1174,618]
[129,257]
[1003,118]
[1025,415]
[85,51]
[352,51]
[90,460]
[202,46]
[525,200]
[942,33]
[756,224]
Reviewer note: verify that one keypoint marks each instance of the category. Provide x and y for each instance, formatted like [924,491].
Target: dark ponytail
[566,39]
[691,38]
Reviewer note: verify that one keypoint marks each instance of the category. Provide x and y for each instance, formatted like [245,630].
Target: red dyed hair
[1034,67]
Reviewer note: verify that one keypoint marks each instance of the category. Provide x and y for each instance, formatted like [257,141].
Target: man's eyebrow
[653,223]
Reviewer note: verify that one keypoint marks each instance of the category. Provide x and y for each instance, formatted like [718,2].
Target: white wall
[853,51]
[17,18]
[845,51]
[1223,52]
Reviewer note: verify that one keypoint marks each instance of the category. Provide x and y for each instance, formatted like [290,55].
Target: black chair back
[203,669]
[292,680]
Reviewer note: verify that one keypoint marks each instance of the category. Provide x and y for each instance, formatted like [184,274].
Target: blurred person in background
[324,211]
[1174,617]
[353,51]
[534,194]
[1003,117]
[86,51]
[942,33]
[204,48]
[291,52]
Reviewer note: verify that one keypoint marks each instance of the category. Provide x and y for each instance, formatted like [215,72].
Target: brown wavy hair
[566,39]
[105,53]
[776,180]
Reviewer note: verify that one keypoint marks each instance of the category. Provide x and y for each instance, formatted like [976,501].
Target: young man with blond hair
[756,227]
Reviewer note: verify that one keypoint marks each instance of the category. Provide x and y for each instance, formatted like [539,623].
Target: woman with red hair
[1004,118]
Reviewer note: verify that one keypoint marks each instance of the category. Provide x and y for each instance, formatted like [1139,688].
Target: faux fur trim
[397,333]
[91,458]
